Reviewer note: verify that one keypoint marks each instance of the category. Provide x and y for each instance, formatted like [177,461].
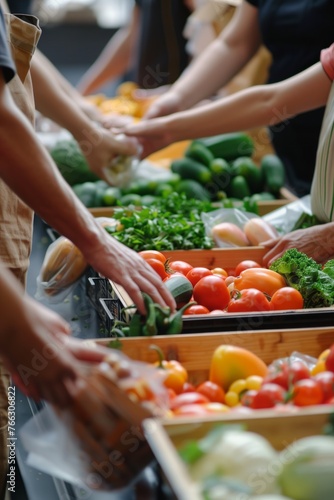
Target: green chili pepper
[162,318]
[150,327]
[175,321]
[136,325]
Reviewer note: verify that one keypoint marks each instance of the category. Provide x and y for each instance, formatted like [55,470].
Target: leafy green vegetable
[305,220]
[169,224]
[303,273]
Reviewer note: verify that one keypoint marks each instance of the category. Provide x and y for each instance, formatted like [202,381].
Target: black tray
[109,308]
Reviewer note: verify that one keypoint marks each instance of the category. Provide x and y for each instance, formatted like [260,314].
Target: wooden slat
[195,351]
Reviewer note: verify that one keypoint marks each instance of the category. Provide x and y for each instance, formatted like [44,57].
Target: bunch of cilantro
[314,281]
[171,223]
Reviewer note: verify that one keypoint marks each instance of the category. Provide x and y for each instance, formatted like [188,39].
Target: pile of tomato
[240,381]
[248,287]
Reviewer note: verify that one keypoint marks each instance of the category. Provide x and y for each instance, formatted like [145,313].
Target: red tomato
[196,273]
[326,381]
[249,299]
[245,264]
[230,271]
[217,312]
[158,267]
[212,391]
[188,387]
[298,370]
[329,362]
[286,298]
[169,276]
[181,266]
[192,409]
[212,292]
[153,254]
[268,396]
[188,398]
[196,309]
[247,398]
[286,374]
[307,392]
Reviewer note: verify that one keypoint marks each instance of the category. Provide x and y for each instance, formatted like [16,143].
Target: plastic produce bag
[230,215]
[98,442]
[285,218]
[62,266]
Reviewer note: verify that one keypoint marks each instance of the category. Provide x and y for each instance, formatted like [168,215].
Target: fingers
[86,350]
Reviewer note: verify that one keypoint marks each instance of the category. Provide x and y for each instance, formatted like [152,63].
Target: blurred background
[75,31]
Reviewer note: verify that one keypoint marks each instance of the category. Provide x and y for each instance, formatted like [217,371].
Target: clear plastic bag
[62,267]
[231,215]
[99,443]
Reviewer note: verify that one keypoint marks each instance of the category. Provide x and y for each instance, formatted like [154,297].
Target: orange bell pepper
[176,374]
[265,280]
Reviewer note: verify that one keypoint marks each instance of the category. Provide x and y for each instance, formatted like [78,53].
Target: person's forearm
[56,76]
[221,60]
[253,107]
[56,103]
[114,60]
[36,179]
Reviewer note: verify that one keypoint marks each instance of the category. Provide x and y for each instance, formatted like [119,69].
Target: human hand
[126,267]
[102,147]
[152,135]
[316,242]
[166,104]
[42,358]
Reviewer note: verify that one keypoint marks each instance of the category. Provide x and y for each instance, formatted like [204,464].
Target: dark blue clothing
[161,53]
[20,6]
[295,31]
[6,62]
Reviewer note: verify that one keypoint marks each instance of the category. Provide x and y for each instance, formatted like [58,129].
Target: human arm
[316,242]
[36,179]
[53,100]
[114,60]
[215,66]
[41,63]
[253,107]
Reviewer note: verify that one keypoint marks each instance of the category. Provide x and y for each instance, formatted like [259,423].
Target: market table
[85,324]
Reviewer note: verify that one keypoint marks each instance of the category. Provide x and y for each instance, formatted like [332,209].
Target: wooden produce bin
[105,295]
[195,351]
[165,437]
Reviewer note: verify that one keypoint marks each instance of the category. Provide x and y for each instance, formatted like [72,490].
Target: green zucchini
[188,168]
[273,172]
[180,287]
[200,153]
[229,146]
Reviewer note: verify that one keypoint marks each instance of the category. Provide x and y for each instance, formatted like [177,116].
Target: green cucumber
[188,168]
[273,172]
[193,190]
[180,287]
[229,146]
[200,153]
[238,188]
[245,166]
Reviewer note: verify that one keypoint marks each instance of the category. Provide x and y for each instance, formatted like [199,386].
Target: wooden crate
[167,436]
[240,322]
[195,351]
